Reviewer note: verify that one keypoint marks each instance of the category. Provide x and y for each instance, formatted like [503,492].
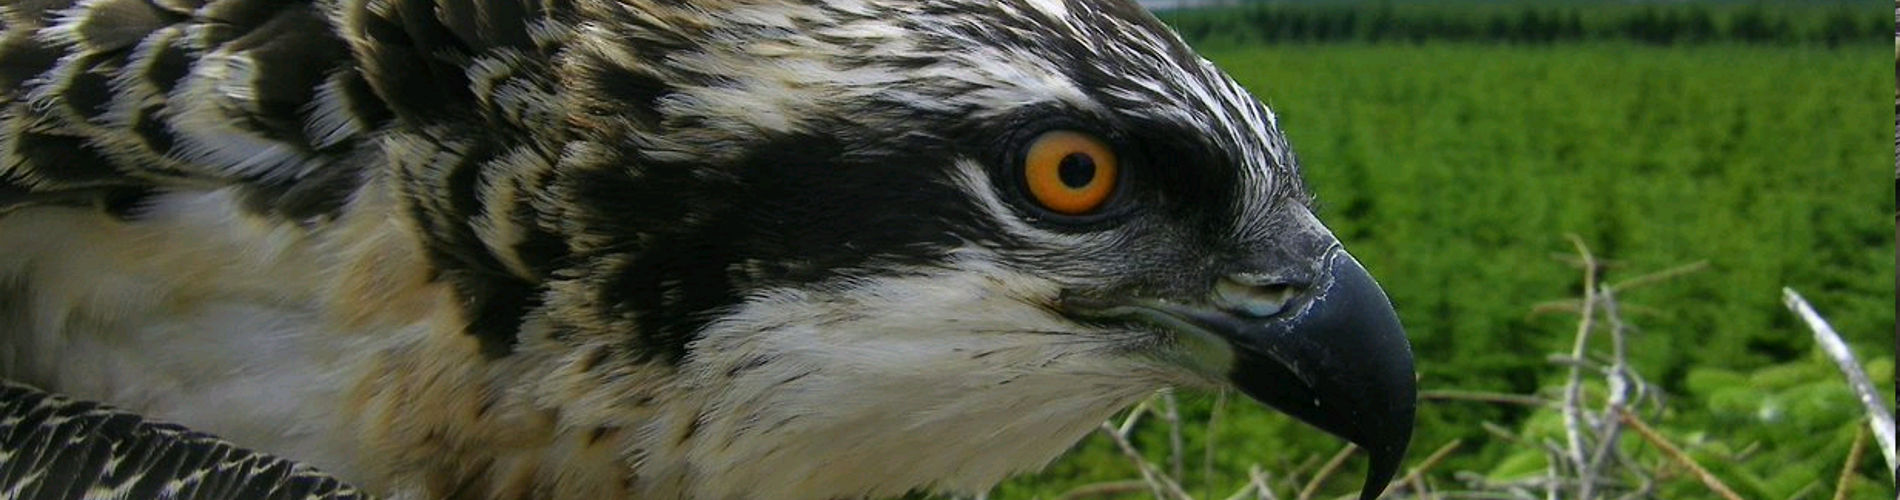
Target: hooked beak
[1332,355]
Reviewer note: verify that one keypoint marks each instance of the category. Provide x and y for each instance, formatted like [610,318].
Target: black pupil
[1077,170]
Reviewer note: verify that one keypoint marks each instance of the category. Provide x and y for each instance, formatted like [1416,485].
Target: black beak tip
[1342,365]
[1384,461]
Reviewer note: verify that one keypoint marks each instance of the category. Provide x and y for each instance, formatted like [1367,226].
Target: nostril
[1253,297]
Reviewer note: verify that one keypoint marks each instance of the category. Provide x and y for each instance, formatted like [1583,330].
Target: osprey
[698,249]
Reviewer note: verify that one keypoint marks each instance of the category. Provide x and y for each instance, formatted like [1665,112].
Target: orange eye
[1068,172]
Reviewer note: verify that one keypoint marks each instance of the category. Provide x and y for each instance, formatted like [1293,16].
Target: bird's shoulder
[104,102]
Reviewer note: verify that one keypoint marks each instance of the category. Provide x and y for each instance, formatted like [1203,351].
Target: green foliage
[1797,412]
[1779,431]
[1660,23]
[1454,170]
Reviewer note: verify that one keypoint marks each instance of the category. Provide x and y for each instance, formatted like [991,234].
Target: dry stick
[1213,436]
[1572,305]
[1245,489]
[1619,395]
[1660,276]
[1141,464]
[1573,386]
[1172,415]
[1248,489]
[1555,306]
[1159,483]
[1326,471]
[1553,479]
[1518,490]
[1578,261]
[1498,431]
[1259,480]
[1481,396]
[1678,455]
[1846,481]
[1880,418]
[1420,490]
[1646,485]
[1478,495]
[1134,416]
[1103,489]
[1412,476]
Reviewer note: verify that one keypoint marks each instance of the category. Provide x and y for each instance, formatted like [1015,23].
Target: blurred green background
[1454,146]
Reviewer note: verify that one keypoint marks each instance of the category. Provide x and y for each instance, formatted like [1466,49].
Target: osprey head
[840,248]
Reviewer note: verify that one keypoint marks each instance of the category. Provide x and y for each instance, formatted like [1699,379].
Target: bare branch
[1659,276]
[1247,489]
[1134,416]
[1500,432]
[1162,486]
[1213,436]
[1481,396]
[1715,484]
[1573,384]
[1326,471]
[1879,416]
[1572,306]
[1171,413]
[1572,362]
[1414,476]
[1846,480]
[1105,489]
[1419,488]
[1576,261]
[1618,375]
[1259,480]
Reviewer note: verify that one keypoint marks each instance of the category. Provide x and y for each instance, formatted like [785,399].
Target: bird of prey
[655,249]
